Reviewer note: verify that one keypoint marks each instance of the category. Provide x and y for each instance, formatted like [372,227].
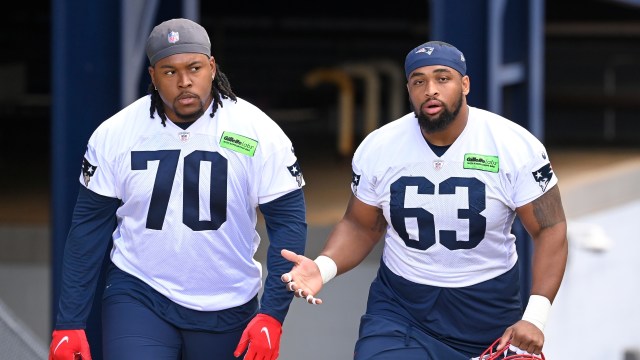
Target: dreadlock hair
[220,89]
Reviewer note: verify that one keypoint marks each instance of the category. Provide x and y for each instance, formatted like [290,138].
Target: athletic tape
[537,311]
[328,268]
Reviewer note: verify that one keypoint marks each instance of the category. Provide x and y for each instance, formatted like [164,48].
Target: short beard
[439,123]
[192,116]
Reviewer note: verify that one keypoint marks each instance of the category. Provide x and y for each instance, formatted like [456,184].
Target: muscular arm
[355,235]
[545,221]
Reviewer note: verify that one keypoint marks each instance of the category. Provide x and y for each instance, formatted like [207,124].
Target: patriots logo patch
[87,171]
[295,171]
[427,50]
[355,181]
[543,176]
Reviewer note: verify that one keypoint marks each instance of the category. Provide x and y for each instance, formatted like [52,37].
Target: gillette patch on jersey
[543,176]
[238,143]
[482,162]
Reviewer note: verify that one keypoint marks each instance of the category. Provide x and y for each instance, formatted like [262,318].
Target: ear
[466,85]
[151,75]
[214,68]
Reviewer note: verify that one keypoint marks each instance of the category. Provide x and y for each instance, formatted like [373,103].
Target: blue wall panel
[85,91]
[507,32]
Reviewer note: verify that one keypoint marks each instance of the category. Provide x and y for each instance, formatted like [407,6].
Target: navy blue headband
[435,53]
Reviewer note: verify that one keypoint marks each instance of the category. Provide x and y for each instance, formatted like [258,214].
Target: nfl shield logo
[184,136]
[437,164]
[173,37]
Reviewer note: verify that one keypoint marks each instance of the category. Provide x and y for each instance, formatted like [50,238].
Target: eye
[169,72]
[195,68]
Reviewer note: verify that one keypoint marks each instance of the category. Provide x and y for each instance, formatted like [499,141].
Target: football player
[442,186]
[175,180]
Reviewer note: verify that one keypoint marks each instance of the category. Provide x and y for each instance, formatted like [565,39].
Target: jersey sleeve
[97,173]
[280,173]
[362,179]
[86,247]
[535,177]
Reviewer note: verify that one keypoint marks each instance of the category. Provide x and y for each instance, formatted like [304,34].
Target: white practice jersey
[450,217]
[187,222]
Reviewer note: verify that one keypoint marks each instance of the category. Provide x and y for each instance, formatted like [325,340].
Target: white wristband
[328,268]
[537,311]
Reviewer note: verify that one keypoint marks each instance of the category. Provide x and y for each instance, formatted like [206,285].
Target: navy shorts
[466,319]
[131,331]
[140,323]
[382,338]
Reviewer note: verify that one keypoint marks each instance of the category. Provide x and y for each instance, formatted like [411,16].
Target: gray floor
[24,279]
[595,315]
[329,331]
[25,289]
[17,341]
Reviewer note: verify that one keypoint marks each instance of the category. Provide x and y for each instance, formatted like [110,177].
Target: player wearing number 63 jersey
[181,173]
[443,185]
[448,213]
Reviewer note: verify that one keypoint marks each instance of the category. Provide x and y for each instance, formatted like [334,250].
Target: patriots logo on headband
[427,50]
[294,170]
[543,176]
[87,171]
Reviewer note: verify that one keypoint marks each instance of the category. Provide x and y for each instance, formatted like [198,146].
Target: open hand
[304,279]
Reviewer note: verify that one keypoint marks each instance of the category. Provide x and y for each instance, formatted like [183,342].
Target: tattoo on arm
[548,208]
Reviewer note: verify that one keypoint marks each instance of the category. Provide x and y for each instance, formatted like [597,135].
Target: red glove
[69,345]
[263,332]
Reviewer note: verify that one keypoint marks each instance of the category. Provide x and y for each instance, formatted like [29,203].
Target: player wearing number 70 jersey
[443,185]
[181,173]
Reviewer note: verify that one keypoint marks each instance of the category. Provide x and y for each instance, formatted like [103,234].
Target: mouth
[186,99]
[432,107]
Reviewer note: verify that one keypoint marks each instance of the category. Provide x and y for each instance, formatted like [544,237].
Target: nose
[184,80]
[430,89]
